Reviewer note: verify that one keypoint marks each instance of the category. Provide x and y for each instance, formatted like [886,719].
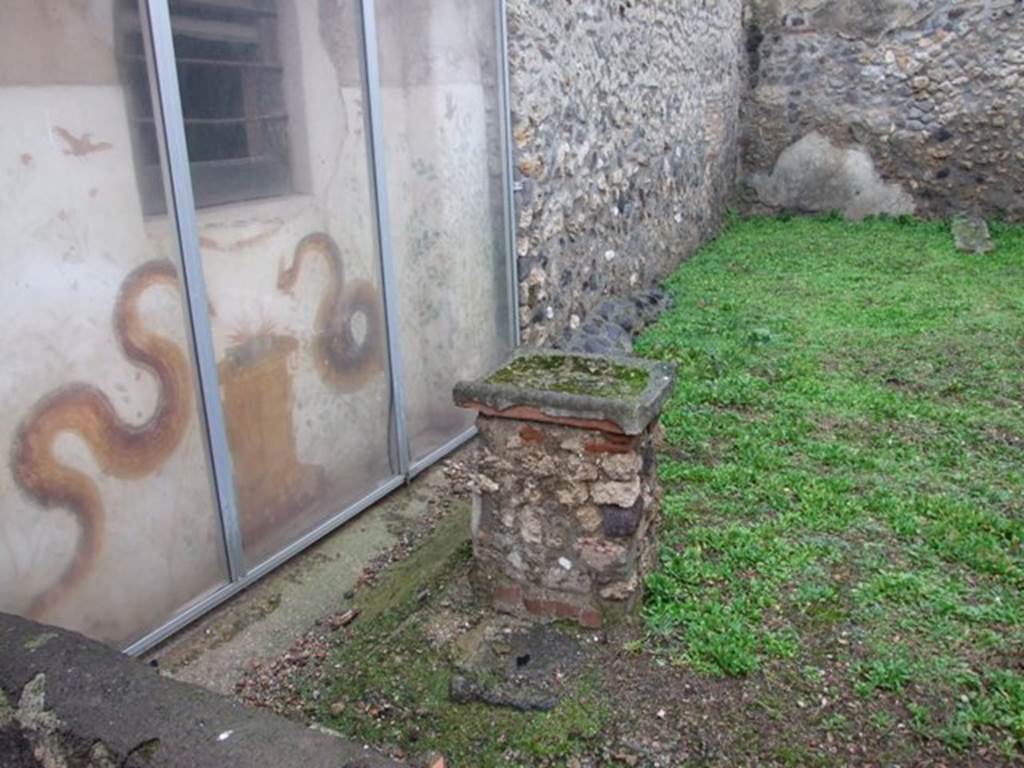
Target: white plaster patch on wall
[931,89]
[813,175]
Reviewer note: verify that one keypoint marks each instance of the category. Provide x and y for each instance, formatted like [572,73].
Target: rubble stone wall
[625,128]
[563,519]
[885,106]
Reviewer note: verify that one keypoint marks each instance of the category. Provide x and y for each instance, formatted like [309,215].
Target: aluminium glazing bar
[505,109]
[439,453]
[378,179]
[181,206]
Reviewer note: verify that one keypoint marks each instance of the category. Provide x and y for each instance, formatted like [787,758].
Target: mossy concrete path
[264,620]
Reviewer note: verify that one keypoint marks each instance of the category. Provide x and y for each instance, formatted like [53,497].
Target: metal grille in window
[231,81]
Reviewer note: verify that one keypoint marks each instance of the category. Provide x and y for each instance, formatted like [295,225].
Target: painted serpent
[124,450]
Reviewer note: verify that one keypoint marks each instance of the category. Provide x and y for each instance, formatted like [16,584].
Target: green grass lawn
[844,473]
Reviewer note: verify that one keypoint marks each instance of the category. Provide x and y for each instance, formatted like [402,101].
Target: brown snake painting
[124,450]
[344,362]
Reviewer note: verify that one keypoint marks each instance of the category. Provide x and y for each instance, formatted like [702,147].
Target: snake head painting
[349,342]
[288,276]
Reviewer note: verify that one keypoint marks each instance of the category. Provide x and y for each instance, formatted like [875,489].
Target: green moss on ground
[385,681]
[845,472]
[573,375]
[393,689]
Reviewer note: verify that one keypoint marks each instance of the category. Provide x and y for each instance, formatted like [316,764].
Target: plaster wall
[64,264]
[72,225]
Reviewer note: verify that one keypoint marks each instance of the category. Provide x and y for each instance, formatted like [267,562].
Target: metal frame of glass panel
[170,123]
[370,65]
[505,105]
[167,109]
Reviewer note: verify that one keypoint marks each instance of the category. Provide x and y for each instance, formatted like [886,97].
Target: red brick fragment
[565,610]
[558,609]
[612,444]
[531,434]
[509,596]
[529,413]
[540,608]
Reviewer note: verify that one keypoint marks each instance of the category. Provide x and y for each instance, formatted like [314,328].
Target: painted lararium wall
[109,521]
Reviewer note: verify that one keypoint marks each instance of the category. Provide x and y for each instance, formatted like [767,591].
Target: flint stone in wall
[602,555]
[572,579]
[621,466]
[582,469]
[619,494]
[572,494]
[622,590]
[532,530]
[590,518]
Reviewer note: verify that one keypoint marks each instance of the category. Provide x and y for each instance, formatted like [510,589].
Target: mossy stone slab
[616,394]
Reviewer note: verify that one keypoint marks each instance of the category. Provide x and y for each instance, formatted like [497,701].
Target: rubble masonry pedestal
[565,491]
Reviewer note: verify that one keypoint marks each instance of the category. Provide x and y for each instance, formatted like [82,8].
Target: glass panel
[444,160]
[293,279]
[107,521]
[232,93]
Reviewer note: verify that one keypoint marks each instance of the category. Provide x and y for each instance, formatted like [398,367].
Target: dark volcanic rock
[612,326]
[75,702]
[525,669]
